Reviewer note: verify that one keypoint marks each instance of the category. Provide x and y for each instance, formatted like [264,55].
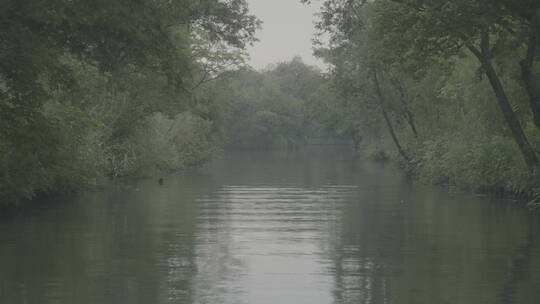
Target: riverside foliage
[90,89]
[107,89]
[122,89]
[451,88]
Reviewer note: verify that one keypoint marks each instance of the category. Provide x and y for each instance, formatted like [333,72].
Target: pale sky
[287,31]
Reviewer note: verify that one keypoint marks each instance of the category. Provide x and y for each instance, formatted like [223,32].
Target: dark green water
[312,226]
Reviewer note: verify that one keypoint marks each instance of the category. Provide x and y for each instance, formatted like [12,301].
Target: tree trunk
[387,118]
[409,116]
[484,56]
[527,65]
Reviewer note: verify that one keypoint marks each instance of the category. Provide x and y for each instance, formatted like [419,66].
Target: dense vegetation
[108,89]
[451,87]
[113,89]
[90,89]
[275,108]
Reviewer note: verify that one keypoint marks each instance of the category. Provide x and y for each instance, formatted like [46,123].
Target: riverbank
[98,171]
[461,167]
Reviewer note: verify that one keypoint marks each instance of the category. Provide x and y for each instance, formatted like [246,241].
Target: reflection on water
[264,234]
[311,226]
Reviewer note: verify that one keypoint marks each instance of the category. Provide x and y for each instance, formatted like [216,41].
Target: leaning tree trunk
[484,56]
[409,116]
[527,64]
[387,118]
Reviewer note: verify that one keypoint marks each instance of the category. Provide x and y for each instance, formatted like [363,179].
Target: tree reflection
[401,246]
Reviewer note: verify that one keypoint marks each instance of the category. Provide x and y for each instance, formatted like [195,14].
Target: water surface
[311,226]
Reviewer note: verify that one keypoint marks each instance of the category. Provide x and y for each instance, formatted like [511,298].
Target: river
[309,226]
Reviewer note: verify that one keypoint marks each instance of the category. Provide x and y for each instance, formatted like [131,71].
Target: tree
[416,33]
[124,59]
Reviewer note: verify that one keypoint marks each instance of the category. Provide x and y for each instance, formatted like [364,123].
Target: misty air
[269,152]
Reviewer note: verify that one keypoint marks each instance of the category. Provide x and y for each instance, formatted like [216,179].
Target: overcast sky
[287,31]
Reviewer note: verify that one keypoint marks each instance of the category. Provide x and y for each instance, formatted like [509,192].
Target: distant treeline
[283,106]
[450,87]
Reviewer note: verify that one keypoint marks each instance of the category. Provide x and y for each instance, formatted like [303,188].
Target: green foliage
[456,85]
[161,144]
[90,89]
[273,108]
[61,156]
[491,164]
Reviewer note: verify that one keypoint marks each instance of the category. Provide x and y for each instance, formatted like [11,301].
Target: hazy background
[288,27]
